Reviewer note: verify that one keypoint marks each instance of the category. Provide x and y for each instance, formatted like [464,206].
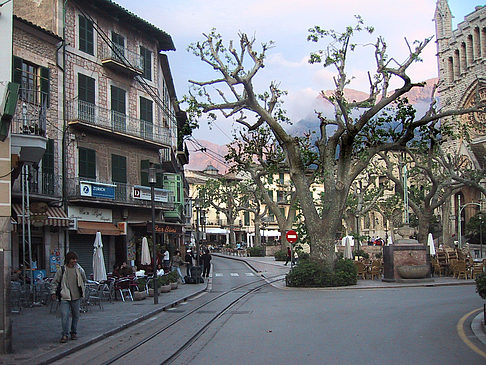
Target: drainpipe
[64,124]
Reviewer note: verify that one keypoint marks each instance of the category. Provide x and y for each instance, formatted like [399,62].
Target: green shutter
[48,158]
[146,112]
[118,100]
[87,163]
[86,39]
[17,70]
[44,86]
[86,89]
[159,177]
[144,166]
[119,169]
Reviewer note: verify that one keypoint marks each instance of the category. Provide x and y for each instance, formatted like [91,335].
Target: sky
[286,22]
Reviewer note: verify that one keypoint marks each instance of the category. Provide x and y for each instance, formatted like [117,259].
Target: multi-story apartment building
[461,55]
[117,121]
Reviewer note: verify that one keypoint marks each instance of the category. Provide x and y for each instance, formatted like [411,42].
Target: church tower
[443,34]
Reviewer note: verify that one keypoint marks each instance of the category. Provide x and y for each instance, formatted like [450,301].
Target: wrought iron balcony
[122,194]
[82,112]
[41,183]
[120,59]
[30,114]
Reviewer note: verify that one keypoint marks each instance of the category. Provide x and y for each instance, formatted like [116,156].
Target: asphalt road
[315,326]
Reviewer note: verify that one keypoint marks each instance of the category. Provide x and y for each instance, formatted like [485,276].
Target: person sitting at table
[125,270]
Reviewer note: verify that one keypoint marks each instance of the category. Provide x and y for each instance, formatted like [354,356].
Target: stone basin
[413,271]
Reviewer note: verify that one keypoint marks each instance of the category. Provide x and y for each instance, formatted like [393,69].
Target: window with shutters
[118,43]
[146,118]
[246,218]
[86,98]
[146,63]
[87,163]
[86,35]
[48,182]
[33,81]
[119,169]
[118,109]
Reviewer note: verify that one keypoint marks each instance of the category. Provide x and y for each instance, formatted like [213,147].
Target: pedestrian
[289,256]
[206,260]
[176,264]
[188,260]
[68,287]
[166,262]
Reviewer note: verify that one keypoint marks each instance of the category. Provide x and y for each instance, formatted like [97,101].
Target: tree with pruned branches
[346,143]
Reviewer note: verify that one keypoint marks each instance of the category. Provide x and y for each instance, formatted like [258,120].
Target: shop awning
[54,216]
[106,228]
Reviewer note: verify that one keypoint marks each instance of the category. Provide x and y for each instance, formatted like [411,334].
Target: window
[281,178]
[146,63]
[33,81]
[86,98]
[118,42]
[146,118]
[87,163]
[119,169]
[246,218]
[280,196]
[48,169]
[118,108]
[270,194]
[86,35]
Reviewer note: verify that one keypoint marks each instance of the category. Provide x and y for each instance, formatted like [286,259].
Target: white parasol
[430,243]
[389,241]
[99,269]
[348,253]
[145,260]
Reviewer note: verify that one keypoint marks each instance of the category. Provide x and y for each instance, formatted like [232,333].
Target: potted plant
[173,279]
[163,284]
[141,290]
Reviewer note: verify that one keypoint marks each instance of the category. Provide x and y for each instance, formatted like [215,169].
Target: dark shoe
[74,336]
[64,339]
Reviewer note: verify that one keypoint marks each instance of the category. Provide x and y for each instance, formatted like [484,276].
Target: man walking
[68,287]
[206,260]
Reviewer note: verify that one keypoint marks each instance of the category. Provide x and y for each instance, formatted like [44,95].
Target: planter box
[165,288]
[139,295]
[173,285]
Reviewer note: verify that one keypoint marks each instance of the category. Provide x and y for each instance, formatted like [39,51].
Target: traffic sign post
[292,238]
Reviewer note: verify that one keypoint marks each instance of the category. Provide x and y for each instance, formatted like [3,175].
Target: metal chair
[122,286]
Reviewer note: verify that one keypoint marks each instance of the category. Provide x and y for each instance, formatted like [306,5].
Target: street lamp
[197,205]
[152,180]
[481,233]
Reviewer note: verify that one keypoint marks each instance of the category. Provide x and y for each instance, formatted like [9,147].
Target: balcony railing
[30,113]
[88,113]
[121,58]
[40,182]
[124,194]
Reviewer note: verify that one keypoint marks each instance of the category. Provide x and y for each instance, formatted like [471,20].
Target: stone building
[117,121]
[461,55]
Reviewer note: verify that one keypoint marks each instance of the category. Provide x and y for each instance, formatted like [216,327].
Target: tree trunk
[424,225]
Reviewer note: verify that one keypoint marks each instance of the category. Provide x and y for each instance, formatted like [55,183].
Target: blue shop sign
[97,190]
[103,191]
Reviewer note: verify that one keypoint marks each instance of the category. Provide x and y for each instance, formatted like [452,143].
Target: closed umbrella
[145,260]
[99,269]
[430,243]
[348,253]
[389,241]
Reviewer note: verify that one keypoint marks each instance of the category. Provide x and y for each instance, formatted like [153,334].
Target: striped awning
[54,216]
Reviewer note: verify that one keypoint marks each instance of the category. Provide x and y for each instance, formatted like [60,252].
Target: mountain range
[207,153]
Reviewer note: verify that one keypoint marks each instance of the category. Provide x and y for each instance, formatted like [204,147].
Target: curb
[113,331]
[478,327]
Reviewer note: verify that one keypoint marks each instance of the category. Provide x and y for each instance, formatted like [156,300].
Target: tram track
[223,302]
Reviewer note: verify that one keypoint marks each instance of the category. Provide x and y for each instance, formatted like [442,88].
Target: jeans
[178,269]
[189,266]
[69,306]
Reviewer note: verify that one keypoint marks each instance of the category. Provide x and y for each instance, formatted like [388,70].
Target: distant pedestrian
[206,261]
[188,260]
[289,256]
[176,264]
[166,263]
[68,287]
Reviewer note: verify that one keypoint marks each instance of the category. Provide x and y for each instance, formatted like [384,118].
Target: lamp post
[152,180]
[197,205]
[481,233]
[357,234]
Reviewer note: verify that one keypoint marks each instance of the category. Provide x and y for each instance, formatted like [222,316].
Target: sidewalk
[36,332]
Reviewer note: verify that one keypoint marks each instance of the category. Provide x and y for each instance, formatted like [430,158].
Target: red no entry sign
[291,236]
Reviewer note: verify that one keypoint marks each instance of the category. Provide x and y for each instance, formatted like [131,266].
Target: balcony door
[119,176]
[118,43]
[86,99]
[118,109]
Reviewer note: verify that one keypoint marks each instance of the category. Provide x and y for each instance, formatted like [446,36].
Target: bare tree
[345,144]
